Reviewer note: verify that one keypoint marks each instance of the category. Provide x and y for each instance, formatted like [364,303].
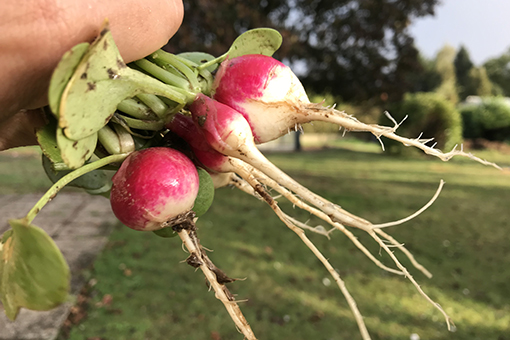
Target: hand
[36,33]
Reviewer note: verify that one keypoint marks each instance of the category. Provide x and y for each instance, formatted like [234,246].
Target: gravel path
[80,225]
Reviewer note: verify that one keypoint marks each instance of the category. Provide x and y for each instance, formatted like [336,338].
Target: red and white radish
[153,186]
[226,130]
[265,91]
[212,160]
[273,101]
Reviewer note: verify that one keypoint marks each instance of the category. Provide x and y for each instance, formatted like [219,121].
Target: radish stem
[55,188]
[157,105]
[136,109]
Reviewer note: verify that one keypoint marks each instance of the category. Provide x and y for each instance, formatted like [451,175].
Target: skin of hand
[36,33]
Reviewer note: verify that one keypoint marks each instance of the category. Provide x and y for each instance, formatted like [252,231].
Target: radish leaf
[93,180]
[205,194]
[75,152]
[63,73]
[95,89]
[257,41]
[33,272]
[100,82]
[47,139]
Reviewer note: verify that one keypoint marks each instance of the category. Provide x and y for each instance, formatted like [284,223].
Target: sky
[482,26]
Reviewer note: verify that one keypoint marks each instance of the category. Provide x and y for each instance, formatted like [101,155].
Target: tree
[463,66]
[498,71]
[479,84]
[446,68]
[358,49]
[428,79]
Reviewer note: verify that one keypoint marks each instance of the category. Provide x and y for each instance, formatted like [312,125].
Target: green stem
[127,143]
[109,140]
[173,106]
[207,80]
[187,62]
[162,74]
[156,104]
[152,125]
[55,188]
[118,119]
[136,109]
[218,60]
[163,58]
[159,87]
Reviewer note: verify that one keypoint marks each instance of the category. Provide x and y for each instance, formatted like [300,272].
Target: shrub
[428,113]
[489,119]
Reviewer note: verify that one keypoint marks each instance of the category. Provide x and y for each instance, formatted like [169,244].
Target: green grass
[462,239]
[21,172]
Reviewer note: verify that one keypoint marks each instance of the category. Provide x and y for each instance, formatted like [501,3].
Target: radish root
[255,178]
[259,189]
[349,123]
[198,258]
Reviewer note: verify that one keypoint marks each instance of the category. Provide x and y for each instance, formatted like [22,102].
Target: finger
[35,34]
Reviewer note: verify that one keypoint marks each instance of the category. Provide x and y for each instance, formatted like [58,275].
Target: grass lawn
[462,239]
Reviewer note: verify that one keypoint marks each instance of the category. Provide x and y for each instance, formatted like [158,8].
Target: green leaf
[63,153]
[93,180]
[165,232]
[47,139]
[62,74]
[95,89]
[33,272]
[200,58]
[205,195]
[99,83]
[257,41]
[76,152]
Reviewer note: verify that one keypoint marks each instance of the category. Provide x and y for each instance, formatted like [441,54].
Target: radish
[153,186]
[228,132]
[184,127]
[265,91]
[273,101]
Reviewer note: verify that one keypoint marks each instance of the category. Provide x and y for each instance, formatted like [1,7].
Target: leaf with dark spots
[47,139]
[88,104]
[91,86]
[121,63]
[63,73]
[105,30]
[89,101]
[75,153]
[111,73]
[83,75]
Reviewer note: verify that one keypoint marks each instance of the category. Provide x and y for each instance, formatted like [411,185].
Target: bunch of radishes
[162,183]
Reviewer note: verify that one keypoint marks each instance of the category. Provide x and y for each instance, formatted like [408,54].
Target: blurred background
[445,64]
